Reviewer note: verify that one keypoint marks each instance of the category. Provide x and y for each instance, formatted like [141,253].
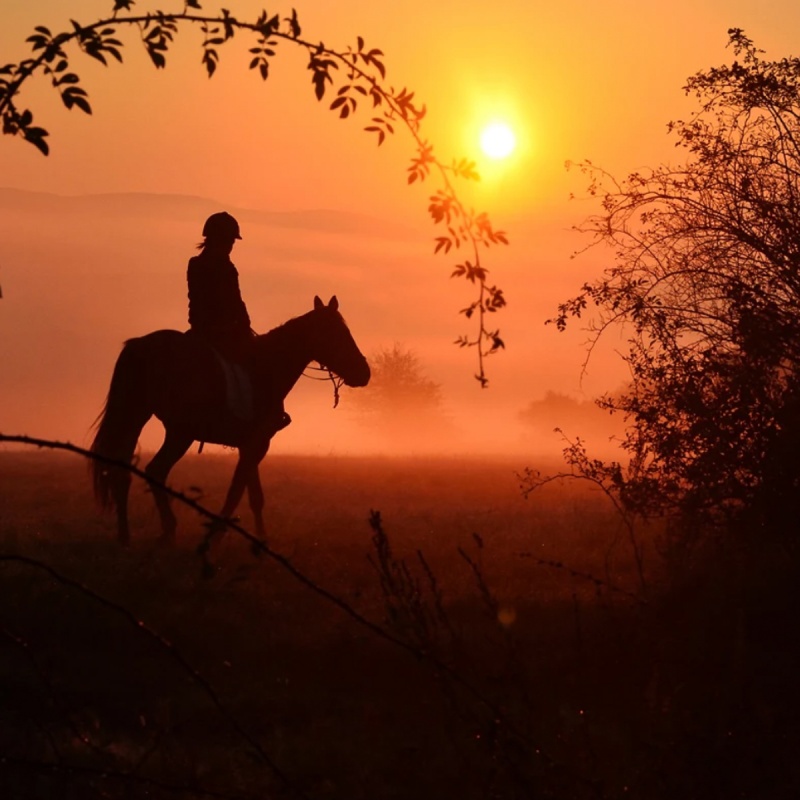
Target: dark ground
[519,679]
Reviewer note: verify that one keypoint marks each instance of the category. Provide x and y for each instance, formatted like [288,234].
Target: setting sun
[498,140]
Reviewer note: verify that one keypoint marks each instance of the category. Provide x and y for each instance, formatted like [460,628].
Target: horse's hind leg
[120,488]
[255,494]
[171,451]
[112,482]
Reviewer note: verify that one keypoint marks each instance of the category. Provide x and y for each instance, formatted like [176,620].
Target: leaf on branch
[51,52]
[156,57]
[345,106]
[376,95]
[36,137]
[477,274]
[370,58]
[39,42]
[321,68]
[266,25]
[75,96]
[443,242]
[115,53]
[294,25]
[375,129]
[83,104]
[228,23]
[470,271]
[94,52]
[442,208]
[466,169]
[210,59]
[496,299]
[123,5]
[373,56]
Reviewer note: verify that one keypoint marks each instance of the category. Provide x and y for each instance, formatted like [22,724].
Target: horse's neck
[281,356]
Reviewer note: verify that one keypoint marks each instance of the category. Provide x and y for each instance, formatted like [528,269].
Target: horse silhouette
[179,380]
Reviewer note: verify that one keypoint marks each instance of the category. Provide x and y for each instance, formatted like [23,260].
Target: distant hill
[165,207]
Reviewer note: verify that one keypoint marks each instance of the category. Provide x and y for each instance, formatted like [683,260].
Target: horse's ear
[318,304]
[334,303]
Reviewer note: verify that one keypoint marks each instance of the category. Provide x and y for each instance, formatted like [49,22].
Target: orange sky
[576,80]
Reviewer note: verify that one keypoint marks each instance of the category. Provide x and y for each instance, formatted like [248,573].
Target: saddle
[240,407]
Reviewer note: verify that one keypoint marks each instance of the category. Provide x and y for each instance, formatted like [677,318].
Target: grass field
[514,677]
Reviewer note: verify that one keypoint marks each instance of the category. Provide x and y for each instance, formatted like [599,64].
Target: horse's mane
[288,328]
[281,335]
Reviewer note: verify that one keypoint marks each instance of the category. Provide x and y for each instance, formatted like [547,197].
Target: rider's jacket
[216,309]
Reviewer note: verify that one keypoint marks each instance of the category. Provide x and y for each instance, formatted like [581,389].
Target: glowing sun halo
[497,140]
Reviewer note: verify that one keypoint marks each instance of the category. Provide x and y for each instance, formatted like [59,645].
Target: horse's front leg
[246,476]
[255,494]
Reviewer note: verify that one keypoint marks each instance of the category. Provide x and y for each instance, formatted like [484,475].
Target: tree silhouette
[706,281]
[560,411]
[400,399]
[355,75]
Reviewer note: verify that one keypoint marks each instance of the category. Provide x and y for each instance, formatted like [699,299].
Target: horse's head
[334,347]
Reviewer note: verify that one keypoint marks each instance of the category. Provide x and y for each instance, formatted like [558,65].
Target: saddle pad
[238,389]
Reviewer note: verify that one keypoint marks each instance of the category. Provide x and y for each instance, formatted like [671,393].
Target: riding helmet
[221,226]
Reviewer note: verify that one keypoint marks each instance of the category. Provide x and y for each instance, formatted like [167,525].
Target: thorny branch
[260,547]
[164,644]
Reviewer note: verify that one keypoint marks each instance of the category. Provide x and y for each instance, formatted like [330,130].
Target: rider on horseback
[216,309]
[217,313]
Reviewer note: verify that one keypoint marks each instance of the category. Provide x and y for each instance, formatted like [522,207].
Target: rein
[331,376]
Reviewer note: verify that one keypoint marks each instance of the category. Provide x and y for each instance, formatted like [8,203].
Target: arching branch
[355,75]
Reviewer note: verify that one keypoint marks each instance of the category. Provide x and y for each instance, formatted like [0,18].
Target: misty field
[525,653]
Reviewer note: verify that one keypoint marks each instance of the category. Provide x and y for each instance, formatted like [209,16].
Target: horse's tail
[121,421]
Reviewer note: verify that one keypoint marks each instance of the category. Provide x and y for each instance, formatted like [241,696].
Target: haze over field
[82,274]
[94,239]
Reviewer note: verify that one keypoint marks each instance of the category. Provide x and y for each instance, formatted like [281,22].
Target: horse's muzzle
[359,376]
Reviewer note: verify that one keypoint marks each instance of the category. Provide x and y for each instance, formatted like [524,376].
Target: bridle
[331,376]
